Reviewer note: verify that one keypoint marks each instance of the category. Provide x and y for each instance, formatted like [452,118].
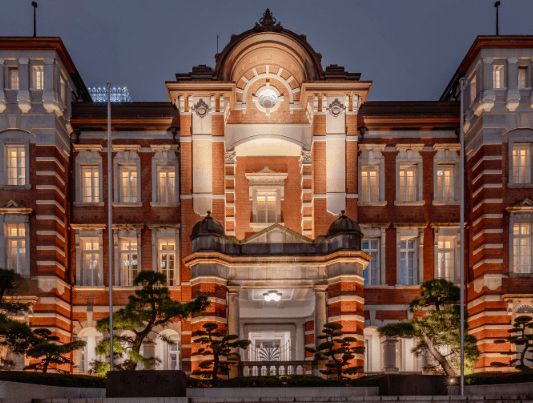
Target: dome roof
[207,226]
[343,225]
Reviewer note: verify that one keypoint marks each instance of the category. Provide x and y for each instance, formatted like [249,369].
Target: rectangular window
[370,184]
[38,77]
[522,247]
[445,258]
[128,184]
[63,90]
[522,76]
[521,163]
[371,273]
[473,89]
[497,76]
[16,248]
[13,77]
[167,184]
[16,165]
[408,262]
[167,259]
[129,265]
[445,183]
[172,356]
[266,209]
[408,184]
[90,266]
[90,186]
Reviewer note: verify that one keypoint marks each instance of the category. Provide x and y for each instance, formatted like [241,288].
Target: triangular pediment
[12,207]
[525,206]
[277,233]
[525,203]
[12,204]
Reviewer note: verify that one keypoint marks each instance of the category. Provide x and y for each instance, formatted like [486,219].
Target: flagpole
[110,225]
[462,235]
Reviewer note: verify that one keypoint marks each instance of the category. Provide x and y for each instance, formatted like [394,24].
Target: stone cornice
[88,227]
[87,147]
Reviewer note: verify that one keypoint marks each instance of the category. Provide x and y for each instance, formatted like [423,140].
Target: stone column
[513,93]
[23,94]
[335,109]
[300,341]
[234,325]
[389,355]
[3,100]
[320,312]
[49,93]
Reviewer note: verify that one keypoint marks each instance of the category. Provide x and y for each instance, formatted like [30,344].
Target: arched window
[87,355]
[168,353]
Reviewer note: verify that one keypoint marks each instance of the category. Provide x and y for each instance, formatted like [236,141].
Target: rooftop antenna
[34,4]
[497,4]
[217,43]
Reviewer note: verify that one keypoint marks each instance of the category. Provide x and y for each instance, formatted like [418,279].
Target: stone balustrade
[276,368]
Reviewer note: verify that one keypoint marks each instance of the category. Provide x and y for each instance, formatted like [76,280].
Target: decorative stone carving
[201,109]
[229,157]
[268,23]
[307,157]
[336,107]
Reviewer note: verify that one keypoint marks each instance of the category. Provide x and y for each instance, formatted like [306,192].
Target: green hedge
[65,380]
[305,381]
[489,378]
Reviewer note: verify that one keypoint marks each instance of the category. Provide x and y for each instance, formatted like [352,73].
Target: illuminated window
[497,76]
[16,165]
[266,208]
[445,183]
[167,259]
[408,183]
[13,77]
[90,186]
[167,184]
[38,77]
[371,273]
[16,248]
[445,258]
[522,76]
[408,262]
[370,184]
[128,184]
[129,264]
[522,247]
[521,163]
[90,275]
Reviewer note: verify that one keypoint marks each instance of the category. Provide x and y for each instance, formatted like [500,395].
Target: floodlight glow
[272,295]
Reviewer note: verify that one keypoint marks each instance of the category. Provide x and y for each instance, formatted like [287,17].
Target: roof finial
[268,23]
[342,213]
[209,213]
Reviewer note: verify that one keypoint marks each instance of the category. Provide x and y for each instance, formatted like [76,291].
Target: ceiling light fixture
[272,295]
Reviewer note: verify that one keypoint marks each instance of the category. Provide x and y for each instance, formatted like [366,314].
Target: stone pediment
[12,207]
[525,206]
[277,234]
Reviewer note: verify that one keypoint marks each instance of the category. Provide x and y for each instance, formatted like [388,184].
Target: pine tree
[518,337]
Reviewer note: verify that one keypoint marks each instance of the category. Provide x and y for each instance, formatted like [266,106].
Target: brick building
[247,186]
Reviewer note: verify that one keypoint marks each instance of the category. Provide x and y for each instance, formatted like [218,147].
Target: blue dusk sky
[409,49]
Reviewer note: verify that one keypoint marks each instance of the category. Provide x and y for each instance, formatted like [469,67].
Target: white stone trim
[488,246]
[53,202]
[50,263]
[487,186]
[487,172]
[54,248]
[487,231]
[50,159]
[50,217]
[487,216]
[51,233]
[487,261]
[51,187]
[486,158]
[486,201]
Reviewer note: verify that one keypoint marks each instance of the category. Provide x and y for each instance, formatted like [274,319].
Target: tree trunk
[45,366]
[440,358]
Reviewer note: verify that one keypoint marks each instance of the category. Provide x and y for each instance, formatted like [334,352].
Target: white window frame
[371,157]
[369,192]
[527,174]
[88,156]
[20,172]
[266,183]
[168,232]
[447,233]
[406,170]
[409,158]
[166,193]
[520,214]
[129,249]
[164,350]
[525,250]
[270,217]
[37,77]
[84,232]
[447,157]
[498,76]
[374,267]
[376,232]
[128,194]
[416,235]
[21,254]
[90,194]
[124,232]
[165,157]
[12,138]
[523,138]
[87,354]
[163,259]
[14,214]
[127,157]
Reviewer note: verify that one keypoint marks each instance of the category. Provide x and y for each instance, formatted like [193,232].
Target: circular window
[268,99]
